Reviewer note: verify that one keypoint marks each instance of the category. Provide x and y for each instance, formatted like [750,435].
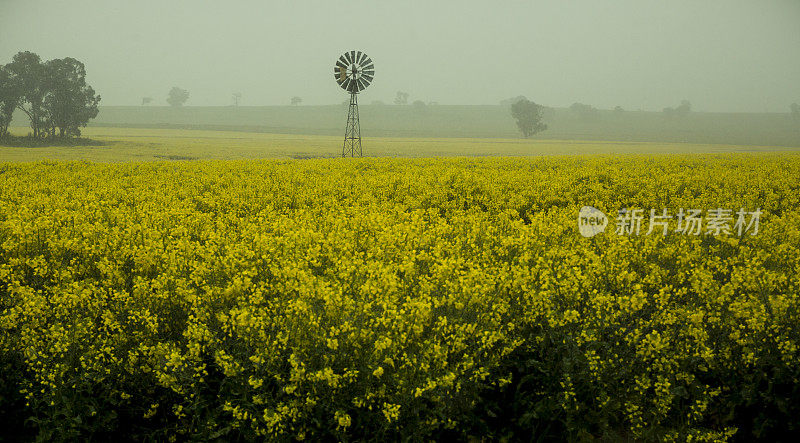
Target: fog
[722,55]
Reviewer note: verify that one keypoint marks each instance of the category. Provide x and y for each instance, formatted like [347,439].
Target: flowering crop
[397,298]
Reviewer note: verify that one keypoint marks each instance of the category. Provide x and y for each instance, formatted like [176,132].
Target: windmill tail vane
[354,71]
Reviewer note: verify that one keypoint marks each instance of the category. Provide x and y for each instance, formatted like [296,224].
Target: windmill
[353,72]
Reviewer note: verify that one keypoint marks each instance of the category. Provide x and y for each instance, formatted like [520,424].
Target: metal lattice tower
[352,133]
[354,71]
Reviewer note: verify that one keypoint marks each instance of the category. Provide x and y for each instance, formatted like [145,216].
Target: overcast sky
[722,55]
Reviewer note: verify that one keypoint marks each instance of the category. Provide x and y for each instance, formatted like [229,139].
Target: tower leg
[352,133]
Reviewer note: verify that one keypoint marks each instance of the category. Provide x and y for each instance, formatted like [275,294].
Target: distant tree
[9,98]
[618,109]
[296,100]
[684,108]
[681,111]
[401,98]
[237,97]
[582,110]
[377,103]
[69,102]
[528,116]
[433,103]
[512,100]
[146,100]
[795,108]
[419,104]
[177,96]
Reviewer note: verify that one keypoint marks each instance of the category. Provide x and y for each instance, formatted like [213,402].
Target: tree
[512,100]
[237,97]
[9,97]
[177,96]
[419,104]
[54,95]
[296,100]
[583,111]
[401,98]
[795,108]
[147,100]
[618,109]
[681,111]
[528,116]
[684,109]
[28,73]
[69,102]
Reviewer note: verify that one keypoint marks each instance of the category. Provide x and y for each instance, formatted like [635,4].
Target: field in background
[140,144]
[443,121]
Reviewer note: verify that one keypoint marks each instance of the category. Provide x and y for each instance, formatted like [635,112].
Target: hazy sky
[722,55]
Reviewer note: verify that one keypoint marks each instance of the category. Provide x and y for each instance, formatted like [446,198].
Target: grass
[107,144]
[442,121]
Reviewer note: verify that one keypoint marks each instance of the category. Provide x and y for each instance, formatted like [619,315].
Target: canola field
[408,299]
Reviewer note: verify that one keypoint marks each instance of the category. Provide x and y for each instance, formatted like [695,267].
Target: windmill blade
[340,64]
[337,73]
[366,78]
[346,84]
[370,67]
[352,56]
[358,57]
[343,60]
[369,73]
[367,62]
[348,57]
[342,73]
[359,84]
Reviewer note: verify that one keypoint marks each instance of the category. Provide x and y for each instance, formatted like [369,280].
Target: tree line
[53,94]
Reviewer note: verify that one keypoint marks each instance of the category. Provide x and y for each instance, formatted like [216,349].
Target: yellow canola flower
[315,291]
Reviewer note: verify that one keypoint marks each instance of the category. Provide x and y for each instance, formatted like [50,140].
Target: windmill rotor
[354,71]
